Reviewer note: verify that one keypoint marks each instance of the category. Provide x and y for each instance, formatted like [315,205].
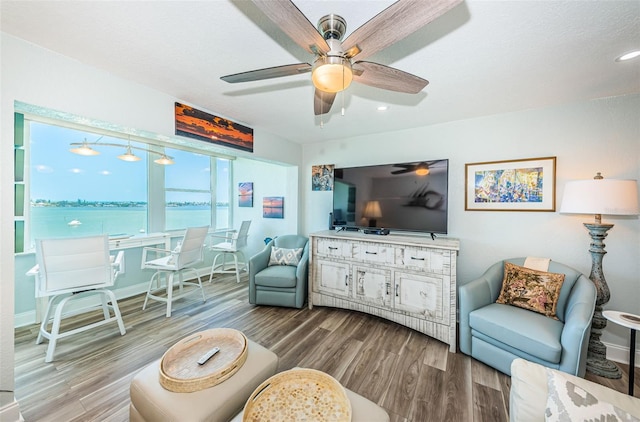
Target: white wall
[36,76]
[268,180]
[600,135]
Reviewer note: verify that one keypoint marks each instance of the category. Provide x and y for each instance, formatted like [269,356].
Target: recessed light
[383,108]
[628,56]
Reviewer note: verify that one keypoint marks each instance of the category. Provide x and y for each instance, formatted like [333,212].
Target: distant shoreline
[115,204]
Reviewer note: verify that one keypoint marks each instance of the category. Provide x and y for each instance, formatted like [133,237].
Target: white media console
[407,279]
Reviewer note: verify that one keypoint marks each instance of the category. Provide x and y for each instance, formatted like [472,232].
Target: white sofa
[530,393]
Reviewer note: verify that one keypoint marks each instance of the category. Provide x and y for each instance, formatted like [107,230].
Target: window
[188,193]
[69,195]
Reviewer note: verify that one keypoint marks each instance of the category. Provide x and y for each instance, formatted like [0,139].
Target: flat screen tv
[405,196]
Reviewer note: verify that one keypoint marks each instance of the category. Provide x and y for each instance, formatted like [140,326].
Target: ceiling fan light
[422,171]
[331,74]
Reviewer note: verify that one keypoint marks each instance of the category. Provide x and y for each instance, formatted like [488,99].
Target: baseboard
[620,354]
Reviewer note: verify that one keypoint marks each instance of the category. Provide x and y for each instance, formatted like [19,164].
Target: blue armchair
[496,334]
[279,285]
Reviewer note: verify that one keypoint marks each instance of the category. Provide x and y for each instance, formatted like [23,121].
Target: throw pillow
[567,402]
[537,291]
[284,256]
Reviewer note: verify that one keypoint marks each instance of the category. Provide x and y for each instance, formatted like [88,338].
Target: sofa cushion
[568,402]
[529,392]
[277,276]
[285,256]
[537,291]
[521,329]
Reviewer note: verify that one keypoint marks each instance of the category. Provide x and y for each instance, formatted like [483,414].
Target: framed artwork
[197,124]
[515,185]
[322,177]
[245,194]
[273,207]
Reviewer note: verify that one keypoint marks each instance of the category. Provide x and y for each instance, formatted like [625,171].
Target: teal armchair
[496,334]
[279,285]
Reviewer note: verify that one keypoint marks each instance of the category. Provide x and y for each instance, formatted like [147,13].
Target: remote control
[208,355]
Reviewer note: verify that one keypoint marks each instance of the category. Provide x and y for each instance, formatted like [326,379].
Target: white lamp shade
[372,210]
[601,196]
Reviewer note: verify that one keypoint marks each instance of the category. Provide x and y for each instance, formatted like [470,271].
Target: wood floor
[412,376]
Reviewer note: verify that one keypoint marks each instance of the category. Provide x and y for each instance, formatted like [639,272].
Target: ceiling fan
[333,69]
[421,169]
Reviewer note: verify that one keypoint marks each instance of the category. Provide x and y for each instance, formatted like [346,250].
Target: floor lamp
[600,196]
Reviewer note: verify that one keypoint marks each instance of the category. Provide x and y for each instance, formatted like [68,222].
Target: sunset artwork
[273,207]
[203,126]
[245,194]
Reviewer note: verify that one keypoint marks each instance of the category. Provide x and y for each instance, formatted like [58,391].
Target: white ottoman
[150,402]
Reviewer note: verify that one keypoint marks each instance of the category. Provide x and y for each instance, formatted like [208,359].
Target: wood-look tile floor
[412,376]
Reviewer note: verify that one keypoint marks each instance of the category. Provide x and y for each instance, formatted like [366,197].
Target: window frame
[156,189]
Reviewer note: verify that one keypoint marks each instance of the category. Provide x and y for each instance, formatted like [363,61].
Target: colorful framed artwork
[515,185]
[322,177]
[203,126]
[273,207]
[245,194]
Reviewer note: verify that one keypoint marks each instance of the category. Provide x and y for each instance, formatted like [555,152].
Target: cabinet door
[421,295]
[331,277]
[372,285]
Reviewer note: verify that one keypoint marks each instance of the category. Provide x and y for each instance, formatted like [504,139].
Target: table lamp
[372,211]
[600,196]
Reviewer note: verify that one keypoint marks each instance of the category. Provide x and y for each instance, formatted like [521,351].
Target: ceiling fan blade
[402,171]
[268,73]
[394,23]
[294,23]
[322,102]
[385,77]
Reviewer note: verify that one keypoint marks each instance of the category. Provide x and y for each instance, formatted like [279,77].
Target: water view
[86,221]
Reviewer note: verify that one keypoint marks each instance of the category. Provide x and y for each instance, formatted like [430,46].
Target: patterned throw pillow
[536,291]
[566,402]
[283,256]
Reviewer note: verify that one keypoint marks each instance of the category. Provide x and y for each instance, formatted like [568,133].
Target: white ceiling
[481,58]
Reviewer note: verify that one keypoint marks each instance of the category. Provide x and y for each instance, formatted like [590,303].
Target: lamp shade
[601,196]
[372,210]
[83,149]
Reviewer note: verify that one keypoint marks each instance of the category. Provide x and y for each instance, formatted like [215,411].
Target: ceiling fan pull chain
[321,109]
[343,89]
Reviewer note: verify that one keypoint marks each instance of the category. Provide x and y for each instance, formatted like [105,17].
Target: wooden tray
[298,394]
[179,369]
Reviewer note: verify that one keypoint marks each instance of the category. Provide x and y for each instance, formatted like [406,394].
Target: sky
[57,174]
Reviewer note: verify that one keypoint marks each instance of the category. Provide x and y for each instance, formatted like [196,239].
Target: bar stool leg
[632,361]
